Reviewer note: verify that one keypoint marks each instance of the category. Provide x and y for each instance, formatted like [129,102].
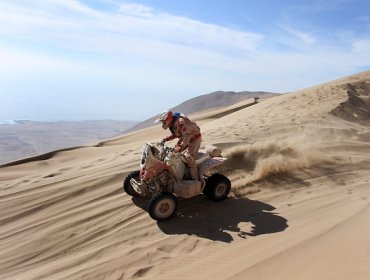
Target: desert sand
[299,208]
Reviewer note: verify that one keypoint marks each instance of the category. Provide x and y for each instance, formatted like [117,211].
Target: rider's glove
[178,149]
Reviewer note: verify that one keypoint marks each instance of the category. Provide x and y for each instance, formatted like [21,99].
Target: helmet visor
[164,124]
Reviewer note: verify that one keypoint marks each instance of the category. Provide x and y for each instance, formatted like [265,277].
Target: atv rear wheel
[217,187]
[127,184]
[162,206]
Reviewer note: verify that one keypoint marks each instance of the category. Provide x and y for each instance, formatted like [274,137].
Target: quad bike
[163,177]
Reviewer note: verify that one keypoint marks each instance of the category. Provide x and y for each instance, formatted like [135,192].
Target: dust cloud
[262,160]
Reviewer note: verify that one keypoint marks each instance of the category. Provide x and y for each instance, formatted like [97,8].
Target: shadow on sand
[215,221]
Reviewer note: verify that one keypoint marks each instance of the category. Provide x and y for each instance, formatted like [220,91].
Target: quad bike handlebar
[164,150]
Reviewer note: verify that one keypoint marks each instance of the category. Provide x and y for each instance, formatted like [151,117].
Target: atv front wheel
[127,184]
[162,206]
[217,187]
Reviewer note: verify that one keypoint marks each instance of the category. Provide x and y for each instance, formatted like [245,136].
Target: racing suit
[189,141]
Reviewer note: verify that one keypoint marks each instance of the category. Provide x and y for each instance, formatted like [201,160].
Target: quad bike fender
[209,164]
[153,169]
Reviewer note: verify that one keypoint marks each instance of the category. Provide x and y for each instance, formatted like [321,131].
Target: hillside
[208,101]
[299,164]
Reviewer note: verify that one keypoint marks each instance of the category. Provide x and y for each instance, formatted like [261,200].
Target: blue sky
[129,60]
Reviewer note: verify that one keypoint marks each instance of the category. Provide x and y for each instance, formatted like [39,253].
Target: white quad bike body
[163,177]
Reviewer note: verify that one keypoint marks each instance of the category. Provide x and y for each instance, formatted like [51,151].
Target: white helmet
[166,118]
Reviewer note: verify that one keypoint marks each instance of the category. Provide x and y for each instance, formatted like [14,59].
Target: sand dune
[299,209]
[209,102]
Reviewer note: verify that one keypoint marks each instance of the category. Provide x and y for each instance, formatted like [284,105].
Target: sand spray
[280,157]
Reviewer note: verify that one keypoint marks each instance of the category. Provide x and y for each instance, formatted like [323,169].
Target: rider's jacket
[184,129]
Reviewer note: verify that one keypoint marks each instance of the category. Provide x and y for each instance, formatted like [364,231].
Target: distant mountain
[206,102]
[20,139]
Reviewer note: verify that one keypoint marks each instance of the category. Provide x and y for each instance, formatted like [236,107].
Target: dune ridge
[299,208]
[357,107]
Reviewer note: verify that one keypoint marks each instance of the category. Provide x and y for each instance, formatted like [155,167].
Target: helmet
[165,118]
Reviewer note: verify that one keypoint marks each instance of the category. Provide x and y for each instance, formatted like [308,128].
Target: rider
[189,137]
